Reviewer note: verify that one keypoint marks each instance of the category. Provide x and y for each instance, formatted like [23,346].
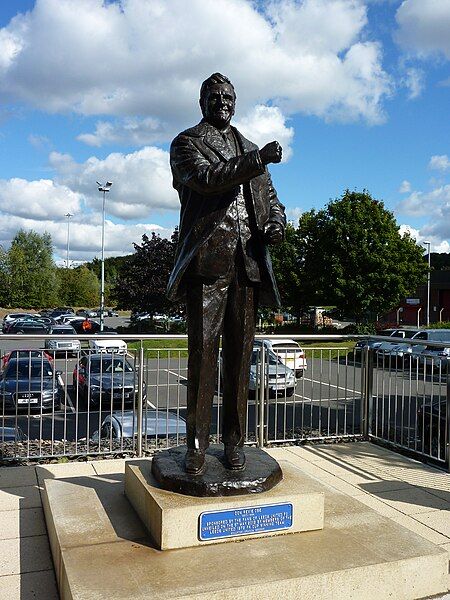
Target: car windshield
[24,369]
[108,365]
[270,357]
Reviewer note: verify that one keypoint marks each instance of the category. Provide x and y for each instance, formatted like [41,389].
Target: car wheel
[299,373]
[290,392]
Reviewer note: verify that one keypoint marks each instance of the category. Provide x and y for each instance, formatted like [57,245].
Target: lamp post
[68,215]
[428,245]
[103,188]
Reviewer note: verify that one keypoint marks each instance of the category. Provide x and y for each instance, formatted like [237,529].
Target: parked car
[288,351]
[28,327]
[399,352]
[82,312]
[12,434]
[84,325]
[27,383]
[121,425]
[431,426]
[104,377]
[434,358]
[25,353]
[406,352]
[113,345]
[11,317]
[111,312]
[375,344]
[279,379]
[60,344]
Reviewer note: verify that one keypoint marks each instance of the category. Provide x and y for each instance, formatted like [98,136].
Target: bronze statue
[229,213]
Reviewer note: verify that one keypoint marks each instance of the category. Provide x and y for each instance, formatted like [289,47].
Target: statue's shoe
[194,461]
[235,458]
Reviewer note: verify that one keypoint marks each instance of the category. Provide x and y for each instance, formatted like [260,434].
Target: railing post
[262,397]
[140,400]
[367,389]
[447,424]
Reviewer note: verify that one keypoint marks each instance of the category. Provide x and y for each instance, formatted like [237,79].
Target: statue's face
[218,105]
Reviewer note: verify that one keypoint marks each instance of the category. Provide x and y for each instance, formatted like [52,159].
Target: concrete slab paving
[15,498]
[21,523]
[437,520]
[38,585]
[57,471]
[25,555]
[17,477]
[413,500]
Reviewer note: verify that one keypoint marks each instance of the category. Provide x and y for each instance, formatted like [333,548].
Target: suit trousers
[227,306]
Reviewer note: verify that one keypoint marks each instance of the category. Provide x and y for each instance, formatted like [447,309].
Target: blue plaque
[245,521]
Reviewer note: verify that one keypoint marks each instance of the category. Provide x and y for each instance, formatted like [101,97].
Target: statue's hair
[214,79]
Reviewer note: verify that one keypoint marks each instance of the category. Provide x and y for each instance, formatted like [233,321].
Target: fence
[90,401]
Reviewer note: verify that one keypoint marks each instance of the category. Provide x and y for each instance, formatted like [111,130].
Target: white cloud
[136,60]
[40,199]
[294,214]
[85,236]
[264,124]
[424,27]
[439,162]
[405,187]
[421,204]
[414,82]
[142,181]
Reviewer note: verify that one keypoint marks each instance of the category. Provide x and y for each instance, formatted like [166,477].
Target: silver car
[279,379]
[59,344]
[120,425]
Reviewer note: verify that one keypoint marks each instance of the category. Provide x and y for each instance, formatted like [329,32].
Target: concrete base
[173,519]
[102,551]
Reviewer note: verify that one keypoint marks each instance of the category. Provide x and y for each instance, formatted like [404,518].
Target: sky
[356,91]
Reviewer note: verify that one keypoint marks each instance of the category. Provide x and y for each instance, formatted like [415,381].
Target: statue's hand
[273,233]
[271,153]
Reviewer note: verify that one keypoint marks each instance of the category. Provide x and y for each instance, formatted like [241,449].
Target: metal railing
[134,401]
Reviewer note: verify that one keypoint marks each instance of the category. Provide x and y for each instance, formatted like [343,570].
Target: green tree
[285,262]
[5,290]
[352,255]
[32,272]
[142,281]
[78,287]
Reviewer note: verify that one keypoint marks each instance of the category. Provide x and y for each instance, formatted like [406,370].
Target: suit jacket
[206,175]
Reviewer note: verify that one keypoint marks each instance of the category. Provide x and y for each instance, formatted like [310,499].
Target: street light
[103,188]
[428,245]
[68,215]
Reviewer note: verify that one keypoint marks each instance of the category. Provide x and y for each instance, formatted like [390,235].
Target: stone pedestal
[175,520]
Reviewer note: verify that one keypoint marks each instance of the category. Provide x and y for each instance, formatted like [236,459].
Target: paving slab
[57,471]
[25,555]
[15,498]
[115,465]
[359,554]
[21,523]
[437,520]
[39,585]
[413,500]
[17,477]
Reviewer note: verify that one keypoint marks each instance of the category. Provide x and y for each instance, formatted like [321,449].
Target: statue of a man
[229,213]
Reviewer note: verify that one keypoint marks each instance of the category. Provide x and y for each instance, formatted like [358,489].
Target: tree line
[349,255]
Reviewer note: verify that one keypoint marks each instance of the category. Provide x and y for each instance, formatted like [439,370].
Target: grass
[165,348]
[162,348]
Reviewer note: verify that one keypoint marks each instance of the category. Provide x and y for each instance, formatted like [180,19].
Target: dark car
[431,426]
[25,353]
[30,383]
[106,378]
[28,327]
[12,434]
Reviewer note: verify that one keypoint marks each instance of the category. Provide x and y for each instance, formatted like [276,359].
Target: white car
[60,344]
[288,351]
[110,345]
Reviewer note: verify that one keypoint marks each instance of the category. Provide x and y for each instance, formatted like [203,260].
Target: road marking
[173,373]
[338,387]
[151,405]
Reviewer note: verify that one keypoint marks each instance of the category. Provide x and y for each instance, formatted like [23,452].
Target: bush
[442,325]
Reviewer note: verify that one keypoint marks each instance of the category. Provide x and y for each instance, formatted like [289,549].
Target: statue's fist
[271,153]
[273,233]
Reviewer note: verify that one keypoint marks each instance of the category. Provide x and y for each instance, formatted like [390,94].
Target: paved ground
[415,495]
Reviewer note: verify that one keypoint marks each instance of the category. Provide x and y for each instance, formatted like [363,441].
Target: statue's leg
[237,345]
[205,303]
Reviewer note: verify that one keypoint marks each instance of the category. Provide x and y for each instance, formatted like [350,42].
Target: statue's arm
[192,168]
[277,214]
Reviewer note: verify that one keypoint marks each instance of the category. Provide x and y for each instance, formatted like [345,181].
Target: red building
[413,310]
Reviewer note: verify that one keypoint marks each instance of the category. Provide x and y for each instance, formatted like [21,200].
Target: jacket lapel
[215,141]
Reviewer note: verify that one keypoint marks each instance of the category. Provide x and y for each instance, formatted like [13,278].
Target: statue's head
[217,100]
